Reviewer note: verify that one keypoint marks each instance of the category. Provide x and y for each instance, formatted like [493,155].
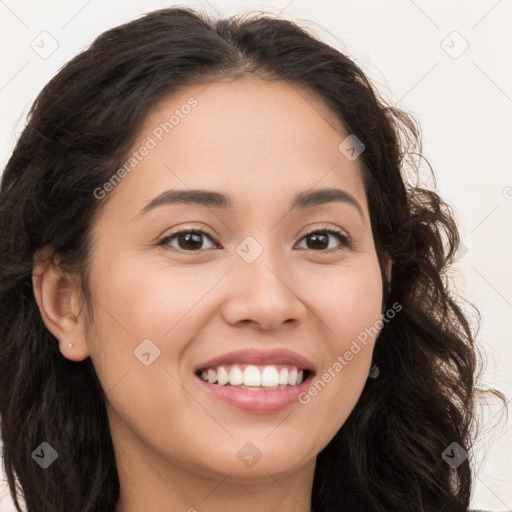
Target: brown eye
[192,241]
[319,239]
[187,240]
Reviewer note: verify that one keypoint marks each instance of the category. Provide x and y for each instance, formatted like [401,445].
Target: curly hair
[387,455]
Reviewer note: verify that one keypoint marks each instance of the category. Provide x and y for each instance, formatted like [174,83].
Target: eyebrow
[209,199]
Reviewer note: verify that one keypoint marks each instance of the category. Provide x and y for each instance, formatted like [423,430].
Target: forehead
[257,111]
[268,138]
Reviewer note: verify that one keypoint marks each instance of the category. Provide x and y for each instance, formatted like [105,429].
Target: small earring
[70,344]
[374,372]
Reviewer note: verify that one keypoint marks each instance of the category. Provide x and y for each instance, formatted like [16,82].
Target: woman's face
[264,294]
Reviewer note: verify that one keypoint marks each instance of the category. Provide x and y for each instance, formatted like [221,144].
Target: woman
[216,287]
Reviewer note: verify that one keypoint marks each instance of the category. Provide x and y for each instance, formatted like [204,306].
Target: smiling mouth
[254,377]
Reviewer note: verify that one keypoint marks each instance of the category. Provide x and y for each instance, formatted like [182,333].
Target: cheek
[349,302]
[350,309]
[145,302]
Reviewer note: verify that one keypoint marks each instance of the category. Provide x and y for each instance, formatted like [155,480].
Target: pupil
[187,237]
[315,238]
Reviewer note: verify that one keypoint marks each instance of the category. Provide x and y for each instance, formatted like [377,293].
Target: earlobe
[57,298]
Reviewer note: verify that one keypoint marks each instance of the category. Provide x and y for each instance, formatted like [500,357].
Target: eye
[320,239]
[189,240]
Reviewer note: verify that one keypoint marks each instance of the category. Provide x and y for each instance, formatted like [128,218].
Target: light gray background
[462,97]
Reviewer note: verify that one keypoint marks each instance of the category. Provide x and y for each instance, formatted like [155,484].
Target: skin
[176,446]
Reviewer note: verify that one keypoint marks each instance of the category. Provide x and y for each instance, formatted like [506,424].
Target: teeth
[252,376]
[236,377]
[222,376]
[212,376]
[292,377]
[268,377]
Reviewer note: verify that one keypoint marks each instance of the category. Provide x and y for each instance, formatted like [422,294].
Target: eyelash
[345,240]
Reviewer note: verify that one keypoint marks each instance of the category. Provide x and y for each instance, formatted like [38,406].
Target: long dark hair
[388,454]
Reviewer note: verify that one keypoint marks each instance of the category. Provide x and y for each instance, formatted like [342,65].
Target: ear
[57,296]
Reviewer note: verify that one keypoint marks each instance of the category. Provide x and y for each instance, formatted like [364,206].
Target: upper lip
[259,357]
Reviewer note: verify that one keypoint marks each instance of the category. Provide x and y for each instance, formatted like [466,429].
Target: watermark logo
[454,45]
[455,455]
[249,454]
[461,251]
[351,147]
[45,455]
[45,45]
[249,249]
[146,352]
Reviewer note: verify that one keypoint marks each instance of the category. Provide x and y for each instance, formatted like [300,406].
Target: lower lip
[257,401]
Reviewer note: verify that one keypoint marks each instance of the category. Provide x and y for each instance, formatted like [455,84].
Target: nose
[265,293]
